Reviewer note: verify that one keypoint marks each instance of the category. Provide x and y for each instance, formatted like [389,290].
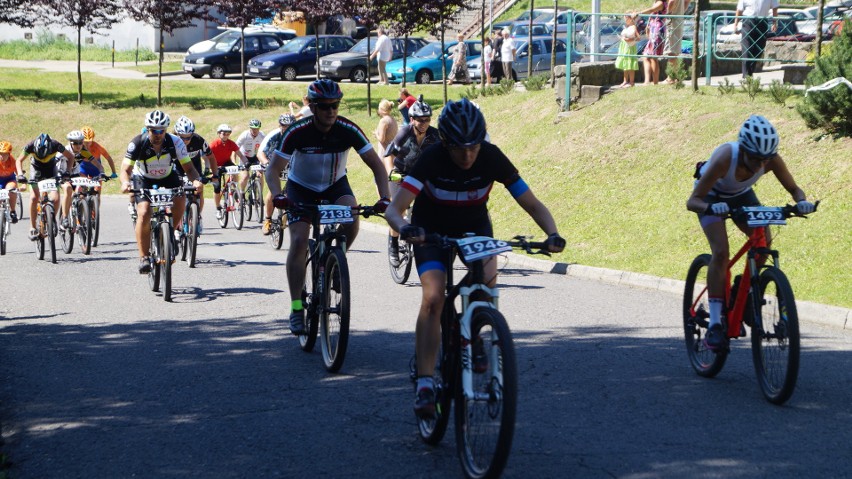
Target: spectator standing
[672,45]
[508,51]
[497,56]
[627,60]
[754,30]
[656,32]
[386,129]
[405,101]
[383,52]
[459,72]
[303,112]
[487,56]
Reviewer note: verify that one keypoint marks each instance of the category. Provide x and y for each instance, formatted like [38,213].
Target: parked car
[353,64]
[562,21]
[609,33]
[424,65]
[523,17]
[522,30]
[222,54]
[297,57]
[784,26]
[541,50]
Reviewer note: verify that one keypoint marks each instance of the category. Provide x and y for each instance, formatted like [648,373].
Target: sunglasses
[77,143]
[327,106]
[156,132]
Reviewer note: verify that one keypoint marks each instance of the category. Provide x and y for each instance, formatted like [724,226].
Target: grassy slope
[615,174]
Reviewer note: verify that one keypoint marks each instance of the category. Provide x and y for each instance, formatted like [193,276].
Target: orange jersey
[97,150]
[7,168]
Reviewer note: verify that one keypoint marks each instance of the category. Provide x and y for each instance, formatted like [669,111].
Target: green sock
[296,305]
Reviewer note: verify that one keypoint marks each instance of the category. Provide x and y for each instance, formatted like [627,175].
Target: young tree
[90,15]
[167,16]
[241,14]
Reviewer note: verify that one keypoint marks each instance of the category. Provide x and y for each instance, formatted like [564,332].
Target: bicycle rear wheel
[401,272]
[445,377]
[775,338]
[485,423]
[259,203]
[67,234]
[84,226]
[166,238]
[309,302]
[50,228]
[239,210]
[155,255]
[249,197]
[191,234]
[696,321]
[3,231]
[334,318]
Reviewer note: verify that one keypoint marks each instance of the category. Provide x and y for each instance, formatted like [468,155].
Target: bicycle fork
[465,322]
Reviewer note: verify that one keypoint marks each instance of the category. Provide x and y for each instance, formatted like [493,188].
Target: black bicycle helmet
[420,108]
[461,124]
[41,146]
[758,137]
[324,89]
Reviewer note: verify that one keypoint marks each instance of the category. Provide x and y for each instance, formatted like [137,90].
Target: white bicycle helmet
[75,135]
[157,119]
[223,127]
[184,126]
[758,137]
[419,108]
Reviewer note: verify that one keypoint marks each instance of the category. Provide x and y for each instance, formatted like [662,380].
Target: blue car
[297,57]
[425,64]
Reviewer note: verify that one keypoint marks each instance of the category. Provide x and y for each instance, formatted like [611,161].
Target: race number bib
[479,247]
[84,182]
[334,214]
[47,185]
[256,168]
[764,215]
[232,170]
[161,197]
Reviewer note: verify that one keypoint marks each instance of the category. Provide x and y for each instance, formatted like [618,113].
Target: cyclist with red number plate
[148,162]
[724,183]
[44,166]
[315,149]
[451,182]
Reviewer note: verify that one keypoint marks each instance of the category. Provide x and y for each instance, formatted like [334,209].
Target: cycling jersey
[147,163]
[405,149]
[55,147]
[8,168]
[222,150]
[196,148]
[248,144]
[85,160]
[728,185]
[318,159]
[96,150]
[453,198]
[271,143]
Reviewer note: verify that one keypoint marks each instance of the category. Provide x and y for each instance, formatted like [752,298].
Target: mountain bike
[254,193]
[46,219]
[190,228]
[162,246]
[232,199]
[276,229]
[761,298]
[82,217]
[401,270]
[5,217]
[326,291]
[484,386]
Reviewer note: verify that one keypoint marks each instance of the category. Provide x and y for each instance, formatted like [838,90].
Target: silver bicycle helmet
[420,108]
[286,119]
[75,135]
[157,119]
[184,126]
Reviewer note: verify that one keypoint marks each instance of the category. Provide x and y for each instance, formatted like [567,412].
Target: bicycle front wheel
[775,338]
[192,234]
[155,255]
[167,255]
[334,319]
[84,226]
[276,237]
[67,234]
[20,201]
[3,231]
[309,302]
[95,207]
[226,208]
[402,270]
[51,231]
[249,197]
[259,203]
[485,423]
[239,211]
[41,228]
[696,319]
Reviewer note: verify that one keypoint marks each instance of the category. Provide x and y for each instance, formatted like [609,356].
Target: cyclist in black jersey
[44,166]
[148,162]
[451,183]
[404,151]
[198,150]
[315,150]
[268,150]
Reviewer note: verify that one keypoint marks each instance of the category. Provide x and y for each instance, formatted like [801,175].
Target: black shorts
[141,182]
[43,171]
[252,160]
[428,256]
[747,198]
[299,194]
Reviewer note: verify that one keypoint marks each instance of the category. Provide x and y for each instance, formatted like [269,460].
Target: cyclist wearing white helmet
[43,166]
[149,161]
[724,183]
[451,182]
[316,149]
[224,149]
[249,142]
[269,149]
[199,153]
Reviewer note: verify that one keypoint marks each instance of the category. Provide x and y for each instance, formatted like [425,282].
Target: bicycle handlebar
[518,242]
[789,211]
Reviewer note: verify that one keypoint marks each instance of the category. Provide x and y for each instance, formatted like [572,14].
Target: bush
[727,88]
[677,70]
[536,82]
[751,85]
[831,110]
[780,92]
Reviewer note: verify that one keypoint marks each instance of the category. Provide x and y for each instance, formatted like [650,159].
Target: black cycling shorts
[299,194]
[141,182]
[429,256]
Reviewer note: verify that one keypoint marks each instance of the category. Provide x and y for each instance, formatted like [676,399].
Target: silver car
[541,50]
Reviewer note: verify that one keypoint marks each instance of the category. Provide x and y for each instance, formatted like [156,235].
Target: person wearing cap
[224,149]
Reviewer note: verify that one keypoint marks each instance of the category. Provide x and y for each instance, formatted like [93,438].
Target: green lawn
[615,174]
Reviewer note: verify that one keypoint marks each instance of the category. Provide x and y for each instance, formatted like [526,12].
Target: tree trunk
[819,28]
[160,72]
[568,48]
[243,62]
[79,74]
[316,36]
[529,41]
[405,59]
[369,100]
[482,47]
[695,48]
[443,63]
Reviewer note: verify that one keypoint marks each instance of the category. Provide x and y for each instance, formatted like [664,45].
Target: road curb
[808,311]
[166,74]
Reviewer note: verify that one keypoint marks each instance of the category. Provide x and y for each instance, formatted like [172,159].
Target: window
[536,48]
[252,43]
[269,43]
[560,46]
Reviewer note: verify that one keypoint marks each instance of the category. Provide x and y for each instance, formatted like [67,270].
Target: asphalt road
[100,378]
